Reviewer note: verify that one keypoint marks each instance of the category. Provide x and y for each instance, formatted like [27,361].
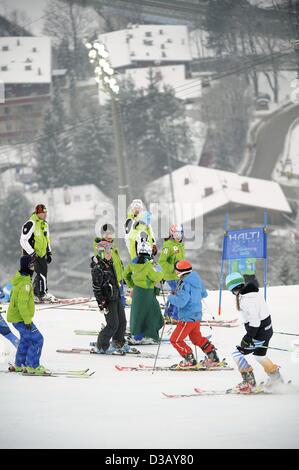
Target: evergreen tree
[154,129]
[54,149]
[14,210]
[94,161]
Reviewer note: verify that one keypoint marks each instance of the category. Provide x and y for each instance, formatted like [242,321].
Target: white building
[25,59]
[148,44]
[72,206]
[210,191]
[25,76]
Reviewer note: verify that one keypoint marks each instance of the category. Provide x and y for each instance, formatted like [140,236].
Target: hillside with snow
[123,410]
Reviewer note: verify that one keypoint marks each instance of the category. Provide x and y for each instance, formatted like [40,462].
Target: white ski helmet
[144,248]
[136,204]
[176,232]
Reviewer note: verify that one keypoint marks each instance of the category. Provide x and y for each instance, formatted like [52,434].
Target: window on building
[4,68]
[161,31]
[4,48]
[147,42]
[88,197]
[148,34]
[132,54]
[162,46]
[170,41]
[28,67]
[18,42]
[77,198]
[164,54]
[34,49]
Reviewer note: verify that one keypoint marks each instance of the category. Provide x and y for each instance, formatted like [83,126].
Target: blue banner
[245,243]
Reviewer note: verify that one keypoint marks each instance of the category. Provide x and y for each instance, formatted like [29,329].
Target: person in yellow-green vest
[173,250]
[246,267]
[108,235]
[134,210]
[142,224]
[146,318]
[35,241]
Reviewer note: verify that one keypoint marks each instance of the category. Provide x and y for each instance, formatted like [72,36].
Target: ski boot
[248,384]
[274,379]
[112,350]
[39,370]
[13,368]
[189,362]
[212,360]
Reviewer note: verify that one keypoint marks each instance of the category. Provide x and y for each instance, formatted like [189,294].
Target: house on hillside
[72,207]
[211,192]
[25,71]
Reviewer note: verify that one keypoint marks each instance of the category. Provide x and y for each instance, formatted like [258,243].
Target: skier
[257,322]
[107,293]
[35,242]
[173,250]
[108,235]
[189,292]
[135,208]
[141,224]
[146,318]
[20,313]
[7,333]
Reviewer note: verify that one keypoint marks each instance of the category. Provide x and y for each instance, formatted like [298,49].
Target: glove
[33,257]
[49,258]
[246,345]
[154,250]
[102,305]
[28,326]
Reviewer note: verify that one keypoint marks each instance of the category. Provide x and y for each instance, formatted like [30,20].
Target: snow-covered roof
[147,43]
[70,204]
[25,59]
[191,183]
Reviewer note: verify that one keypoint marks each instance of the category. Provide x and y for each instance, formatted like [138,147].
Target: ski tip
[167,395]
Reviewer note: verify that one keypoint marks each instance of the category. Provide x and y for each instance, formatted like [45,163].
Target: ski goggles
[104,246]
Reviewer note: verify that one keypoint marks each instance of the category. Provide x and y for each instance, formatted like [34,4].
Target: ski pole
[282,333]
[209,325]
[294,349]
[160,341]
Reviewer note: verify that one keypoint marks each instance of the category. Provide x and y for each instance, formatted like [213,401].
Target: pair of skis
[74,374]
[92,351]
[220,323]
[197,368]
[260,389]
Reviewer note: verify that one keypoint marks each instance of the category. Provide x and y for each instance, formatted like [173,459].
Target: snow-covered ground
[122,410]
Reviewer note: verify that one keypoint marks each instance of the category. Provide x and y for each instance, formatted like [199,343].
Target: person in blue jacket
[189,292]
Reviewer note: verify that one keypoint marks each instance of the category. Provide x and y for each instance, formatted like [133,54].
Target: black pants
[115,325]
[40,284]
[265,333]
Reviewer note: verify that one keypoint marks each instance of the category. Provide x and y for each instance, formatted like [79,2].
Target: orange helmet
[183,266]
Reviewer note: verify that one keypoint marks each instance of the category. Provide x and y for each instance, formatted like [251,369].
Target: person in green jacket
[108,235]
[146,318]
[20,313]
[173,251]
[35,241]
